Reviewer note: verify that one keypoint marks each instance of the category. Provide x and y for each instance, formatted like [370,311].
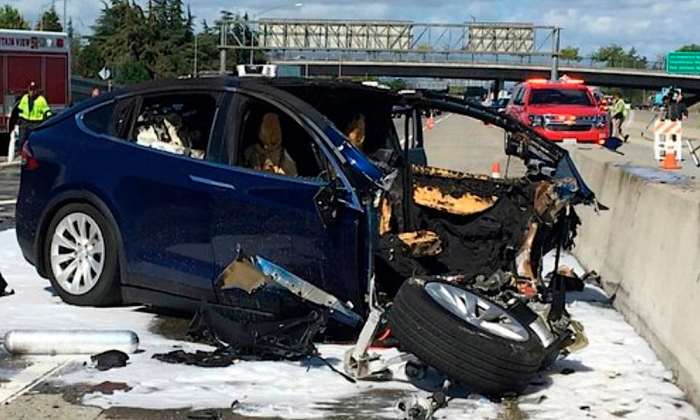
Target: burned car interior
[178,124]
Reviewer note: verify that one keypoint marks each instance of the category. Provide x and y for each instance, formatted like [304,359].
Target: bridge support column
[497,87]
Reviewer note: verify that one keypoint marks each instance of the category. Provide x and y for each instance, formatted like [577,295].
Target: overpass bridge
[597,76]
[474,50]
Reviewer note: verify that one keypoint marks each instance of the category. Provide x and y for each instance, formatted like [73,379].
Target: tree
[397,84]
[615,56]
[153,42]
[88,62]
[569,53]
[689,48]
[11,18]
[132,72]
[207,48]
[49,21]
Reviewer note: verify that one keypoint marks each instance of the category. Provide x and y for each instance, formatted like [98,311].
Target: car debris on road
[4,291]
[109,359]
[69,341]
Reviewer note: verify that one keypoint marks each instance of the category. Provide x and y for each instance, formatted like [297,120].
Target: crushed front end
[459,264]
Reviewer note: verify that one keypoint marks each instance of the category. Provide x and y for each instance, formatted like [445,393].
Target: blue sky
[652,26]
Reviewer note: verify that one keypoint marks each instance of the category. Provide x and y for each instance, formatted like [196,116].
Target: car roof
[255,83]
[274,87]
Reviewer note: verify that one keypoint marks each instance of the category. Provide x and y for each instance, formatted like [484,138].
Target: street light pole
[555,53]
[222,49]
[194,70]
[256,16]
[65,22]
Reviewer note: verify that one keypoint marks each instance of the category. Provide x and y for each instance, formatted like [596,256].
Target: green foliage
[569,53]
[397,84]
[49,21]
[132,72]
[140,44]
[148,39]
[88,62]
[207,48]
[689,48]
[615,56]
[11,18]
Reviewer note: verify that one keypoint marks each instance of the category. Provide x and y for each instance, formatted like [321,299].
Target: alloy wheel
[77,253]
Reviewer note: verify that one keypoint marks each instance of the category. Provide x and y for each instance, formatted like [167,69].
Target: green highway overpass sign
[683,62]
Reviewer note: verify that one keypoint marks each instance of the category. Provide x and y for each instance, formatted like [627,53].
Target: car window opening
[271,141]
[178,124]
[364,117]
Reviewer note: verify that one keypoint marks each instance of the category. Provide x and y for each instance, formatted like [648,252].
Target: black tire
[107,290]
[481,361]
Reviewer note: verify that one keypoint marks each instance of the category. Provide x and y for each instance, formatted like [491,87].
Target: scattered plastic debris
[109,360]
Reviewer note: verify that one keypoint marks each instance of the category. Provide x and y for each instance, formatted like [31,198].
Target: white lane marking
[7,202]
[31,376]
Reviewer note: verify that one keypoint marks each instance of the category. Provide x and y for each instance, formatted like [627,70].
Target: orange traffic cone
[431,122]
[670,162]
[496,170]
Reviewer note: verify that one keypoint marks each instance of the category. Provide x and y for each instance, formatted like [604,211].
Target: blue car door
[275,214]
[163,213]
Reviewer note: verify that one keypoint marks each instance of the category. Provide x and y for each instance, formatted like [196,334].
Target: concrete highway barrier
[647,249]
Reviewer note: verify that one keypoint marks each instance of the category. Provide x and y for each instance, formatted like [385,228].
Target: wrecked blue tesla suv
[152,195]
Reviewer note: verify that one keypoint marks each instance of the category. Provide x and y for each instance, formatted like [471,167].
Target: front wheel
[465,336]
[81,255]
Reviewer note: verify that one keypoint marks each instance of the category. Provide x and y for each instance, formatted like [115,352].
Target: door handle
[211,182]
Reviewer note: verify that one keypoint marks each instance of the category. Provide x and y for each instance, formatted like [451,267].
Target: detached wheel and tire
[468,338]
[80,252]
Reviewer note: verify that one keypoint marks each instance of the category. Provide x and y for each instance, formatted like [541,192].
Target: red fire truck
[41,57]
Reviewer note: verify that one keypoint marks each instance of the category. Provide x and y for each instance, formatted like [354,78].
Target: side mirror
[327,201]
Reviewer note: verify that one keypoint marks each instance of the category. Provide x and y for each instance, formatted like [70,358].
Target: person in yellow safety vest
[33,107]
[29,112]
[619,113]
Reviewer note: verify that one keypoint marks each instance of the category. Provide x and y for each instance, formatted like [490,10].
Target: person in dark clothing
[676,109]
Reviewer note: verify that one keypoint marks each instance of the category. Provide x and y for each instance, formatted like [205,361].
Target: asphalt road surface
[463,144]
[9,185]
